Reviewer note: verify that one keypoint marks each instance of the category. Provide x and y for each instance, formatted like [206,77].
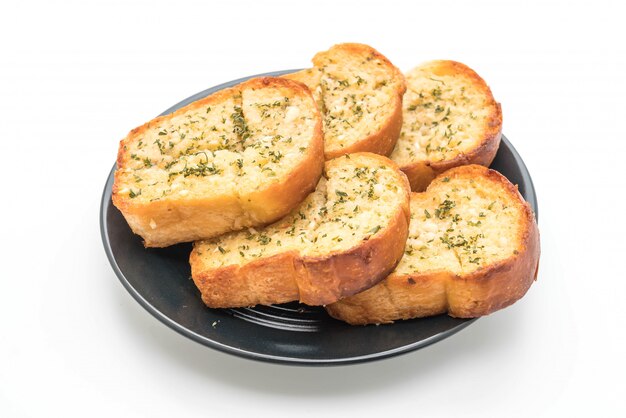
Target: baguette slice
[244,156]
[345,237]
[473,248]
[359,93]
[450,119]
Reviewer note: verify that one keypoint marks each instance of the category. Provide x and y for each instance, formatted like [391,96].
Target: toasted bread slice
[244,156]
[359,93]
[473,248]
[450,119]
[345,237]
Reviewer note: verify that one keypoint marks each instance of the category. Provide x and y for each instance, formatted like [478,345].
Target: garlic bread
[345,237]
[244,156]
[450,118]
[473,248]
[359,93]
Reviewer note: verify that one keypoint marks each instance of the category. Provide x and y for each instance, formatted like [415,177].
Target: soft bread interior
[353,85]
[447,109]
[356,198]
[235,145]
[356,90]
[461,224]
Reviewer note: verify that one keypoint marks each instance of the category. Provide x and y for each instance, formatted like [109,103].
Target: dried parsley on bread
[244,156]
[450,118]
[345,237]
[359,93]
[473,248]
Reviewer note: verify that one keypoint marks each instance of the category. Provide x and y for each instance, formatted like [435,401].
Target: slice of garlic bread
[359,93]
[473,248]
[450,118]
[345,237]
[244,156]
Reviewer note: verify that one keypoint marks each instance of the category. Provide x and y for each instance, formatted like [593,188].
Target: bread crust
[479,293]
[421,172]
[313,280]
[188,219]
[383,140]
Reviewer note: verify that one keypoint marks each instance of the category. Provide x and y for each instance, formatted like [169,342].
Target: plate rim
[106,202]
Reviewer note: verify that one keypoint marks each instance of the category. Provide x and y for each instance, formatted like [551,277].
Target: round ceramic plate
[159,279]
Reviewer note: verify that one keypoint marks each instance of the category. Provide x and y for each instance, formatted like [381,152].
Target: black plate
[159,279]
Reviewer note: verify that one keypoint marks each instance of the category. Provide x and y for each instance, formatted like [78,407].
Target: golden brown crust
[188,219]
[465,295]
[289,276]
[324,280]
[313,280]
[383,140]
[421,172]
[264,281]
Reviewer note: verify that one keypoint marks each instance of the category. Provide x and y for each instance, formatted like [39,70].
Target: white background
[75,77]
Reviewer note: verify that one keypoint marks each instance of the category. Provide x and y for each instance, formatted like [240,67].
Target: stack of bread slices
[346,185]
